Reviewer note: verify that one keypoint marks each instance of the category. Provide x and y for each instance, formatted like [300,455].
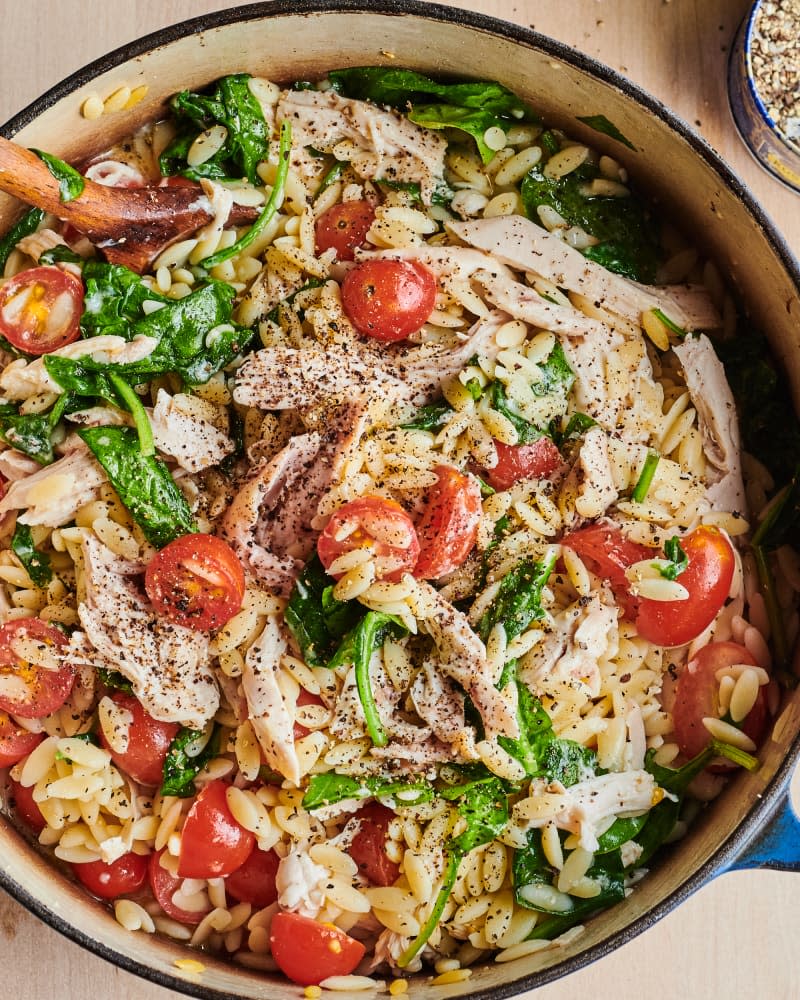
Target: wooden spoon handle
[28,178]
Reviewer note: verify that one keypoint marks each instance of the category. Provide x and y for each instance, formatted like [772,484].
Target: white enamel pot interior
[295,40]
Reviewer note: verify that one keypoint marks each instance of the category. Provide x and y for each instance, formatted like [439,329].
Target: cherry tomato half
[376,523]
[27,690]
[196,581]
[40,309]
[449,524]
[119,878]
[164,886]
[148,742]
[308,952]
[25,807]
[388,299]
[213,843]
[15,742]
[254,881]
[344,227]
[697,697]
[708,579]
[536,460]
[607,552]
[368,848]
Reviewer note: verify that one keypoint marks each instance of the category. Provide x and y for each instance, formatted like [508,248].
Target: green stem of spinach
[273,204]
[374,725]
[331,177]
[140,419]
[746,760]
[28,224]
[645,480]
[669,324]
[774,614]
[419,942]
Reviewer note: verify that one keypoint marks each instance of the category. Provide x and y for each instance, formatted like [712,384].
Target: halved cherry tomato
[388,299]
[40,309]
[25,807]
[254,881]
[213,843]
[449,524]
[697,697]
[119,878]
[708,579]
[344,227]
[305,698]
[368,847]
[164,886]
[27,690]
[376,523]
[607,552]
[196,581]
[148,742]
[15,742]
[308,952]
[536,460]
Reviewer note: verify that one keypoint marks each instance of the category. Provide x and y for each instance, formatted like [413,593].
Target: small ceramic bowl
[763,136]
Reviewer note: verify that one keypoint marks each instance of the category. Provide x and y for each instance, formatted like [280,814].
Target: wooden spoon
[129,226]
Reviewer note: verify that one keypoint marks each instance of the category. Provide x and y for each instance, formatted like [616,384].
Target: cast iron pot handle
[777,845]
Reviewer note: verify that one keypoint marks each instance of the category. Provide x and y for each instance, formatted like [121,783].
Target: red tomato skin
[28,331]
[368,848]
[47,689]
[708,579]
[26,808]
[380,523]
[344,227]
[120,878]
[696,697]
[308,952]
[388,299]
[148,742]
[537,460]
[608,553]
[164,886]
[448,527]
[254,881]
[15,742]
[213,844]
[196,581]
[305,698]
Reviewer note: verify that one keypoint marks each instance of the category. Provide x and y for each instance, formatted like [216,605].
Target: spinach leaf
[429,418]
[677,560]
[331,177]
[518,601]
[577,424]
[60,254]
[143,483]
[484,809]
[628,238]
[781,526]
[181,766]
[623,829]
[601,124]
[114,679]
[31,433]
[37,564]
[328,789]
[70,182]
[24,226]
[315,618]
[357,648]
[231,104]
[195,336]
[471,106]
[556,380]
[643,483]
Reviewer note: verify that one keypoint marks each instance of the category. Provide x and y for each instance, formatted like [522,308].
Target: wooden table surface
[736,938]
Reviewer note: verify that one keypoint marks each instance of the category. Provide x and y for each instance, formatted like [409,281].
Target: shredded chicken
[168,665]
[53,495]
[299,883]
[716,411]
[193,441]
[377,143]
[523,245]
[596,491]
[270,716]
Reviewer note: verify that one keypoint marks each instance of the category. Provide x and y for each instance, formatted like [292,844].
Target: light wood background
[737,938]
